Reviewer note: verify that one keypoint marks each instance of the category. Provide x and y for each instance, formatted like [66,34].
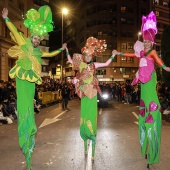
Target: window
[130,59]
[130,46]
[165,4]
[157,13]
[43,43]
[130,10]
[101,72]
[122,70]
[100,33]
[69,69]
[123,20]
[123,59]
[123,46]
[130,21]
[128,71]
[99,59]
[109,46]
[104,34]
[44,68]
[114,20]
[157,48]
[123,8]
[156,2]
[105,57]
[114,33]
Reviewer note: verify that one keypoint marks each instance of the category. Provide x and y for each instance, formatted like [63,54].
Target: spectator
[65,96]
[4,119]
[128,93]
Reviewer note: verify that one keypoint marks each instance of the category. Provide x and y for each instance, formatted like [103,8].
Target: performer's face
[87,57]
[147,44]
[35,41]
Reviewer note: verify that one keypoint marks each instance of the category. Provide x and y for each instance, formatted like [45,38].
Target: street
[60,147]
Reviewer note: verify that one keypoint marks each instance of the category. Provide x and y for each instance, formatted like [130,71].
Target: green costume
[149,112]
[150,122]
[26,73]
[87,88]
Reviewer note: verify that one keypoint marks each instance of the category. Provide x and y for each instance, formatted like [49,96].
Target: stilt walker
[87,87]
[150,121]
[27,71]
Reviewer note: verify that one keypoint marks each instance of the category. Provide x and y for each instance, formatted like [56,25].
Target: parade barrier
[50,97]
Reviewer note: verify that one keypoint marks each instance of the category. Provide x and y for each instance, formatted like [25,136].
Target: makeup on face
[87,57]
[147,44]
[35,40]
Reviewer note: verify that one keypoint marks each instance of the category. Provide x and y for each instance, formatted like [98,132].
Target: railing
[50,97]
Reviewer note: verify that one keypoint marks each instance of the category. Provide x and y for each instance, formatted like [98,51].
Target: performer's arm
[54,53]
[127,54]
[154,55]
[98,65]
[68,56]
[11,27]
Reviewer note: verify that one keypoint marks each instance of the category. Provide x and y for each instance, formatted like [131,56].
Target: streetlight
[139,34]
[64,12]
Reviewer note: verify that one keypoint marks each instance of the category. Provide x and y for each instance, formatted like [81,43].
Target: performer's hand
[167,69]
[64,46]
[114,52]
[66,49]
[5,13]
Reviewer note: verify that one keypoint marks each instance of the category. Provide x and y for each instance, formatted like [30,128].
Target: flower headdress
[39,22]
[149,28]
[94,47]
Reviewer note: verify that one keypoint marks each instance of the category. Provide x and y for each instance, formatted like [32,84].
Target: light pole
[139,34]
[64,12]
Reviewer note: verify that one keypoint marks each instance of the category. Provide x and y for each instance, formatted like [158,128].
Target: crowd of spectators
[122,92]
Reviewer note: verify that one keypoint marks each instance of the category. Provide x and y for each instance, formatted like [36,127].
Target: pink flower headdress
[149,28]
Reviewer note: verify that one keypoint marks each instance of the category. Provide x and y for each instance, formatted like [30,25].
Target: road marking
[49,121]
[100,111]
[137,117]
[136,123]
[60,114]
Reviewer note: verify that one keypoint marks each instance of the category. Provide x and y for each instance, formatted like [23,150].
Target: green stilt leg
[93,149]
[85,146]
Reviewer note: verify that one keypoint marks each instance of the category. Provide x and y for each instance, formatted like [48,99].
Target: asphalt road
[60,147]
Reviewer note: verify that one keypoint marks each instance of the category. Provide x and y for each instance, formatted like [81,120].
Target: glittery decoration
[39,22]
[94,47]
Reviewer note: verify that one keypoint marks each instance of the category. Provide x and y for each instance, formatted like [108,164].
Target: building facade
[118,22]
[17,9]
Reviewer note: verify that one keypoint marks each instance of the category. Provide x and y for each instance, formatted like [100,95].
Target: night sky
[56,6]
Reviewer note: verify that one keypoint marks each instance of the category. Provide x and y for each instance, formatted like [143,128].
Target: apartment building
[17,9]
[118,22]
